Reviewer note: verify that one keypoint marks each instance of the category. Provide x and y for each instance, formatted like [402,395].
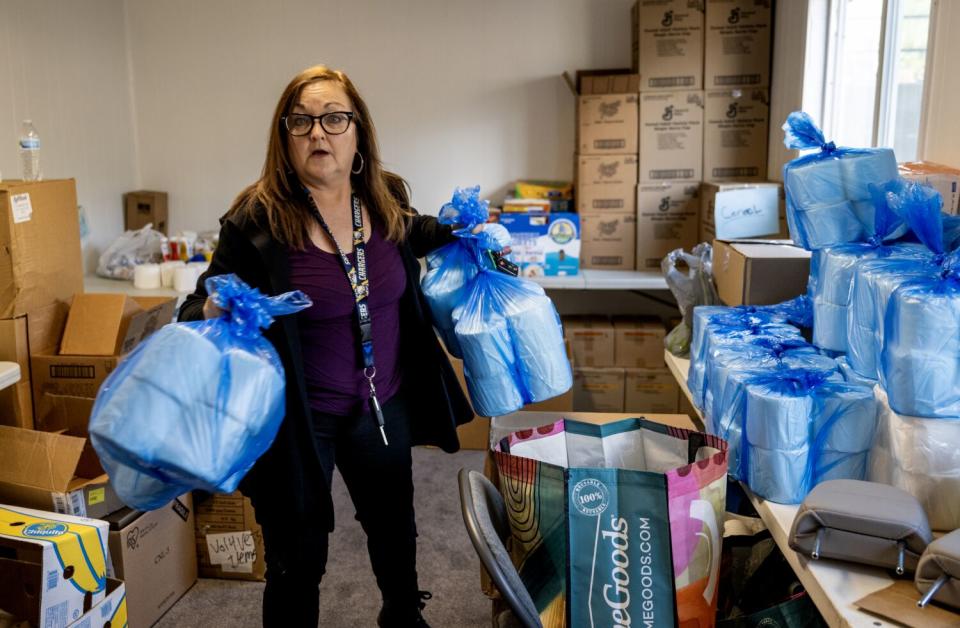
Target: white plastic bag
[133,247]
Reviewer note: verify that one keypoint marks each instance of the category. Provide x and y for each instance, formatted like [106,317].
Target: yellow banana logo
[119,617]
[78,546]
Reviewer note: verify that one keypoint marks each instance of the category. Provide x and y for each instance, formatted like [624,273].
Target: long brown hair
[287,214]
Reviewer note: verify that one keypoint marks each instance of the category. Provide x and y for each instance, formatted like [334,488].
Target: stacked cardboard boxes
[606,167]
[619,365]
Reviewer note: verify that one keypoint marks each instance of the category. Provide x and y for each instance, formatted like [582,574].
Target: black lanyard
[360,284]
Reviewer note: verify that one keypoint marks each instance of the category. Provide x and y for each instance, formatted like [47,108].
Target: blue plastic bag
[196,404]
[512,342]
[827,192]
[836,266]
[451,268]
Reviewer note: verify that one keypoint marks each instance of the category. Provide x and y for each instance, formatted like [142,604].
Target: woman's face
[319,158]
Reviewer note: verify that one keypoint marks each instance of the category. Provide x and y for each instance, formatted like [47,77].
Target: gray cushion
[942,557]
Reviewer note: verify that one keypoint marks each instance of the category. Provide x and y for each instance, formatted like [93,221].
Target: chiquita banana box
[112,611]
[67,558]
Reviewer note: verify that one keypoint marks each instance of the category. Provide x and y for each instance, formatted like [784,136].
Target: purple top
[329,333]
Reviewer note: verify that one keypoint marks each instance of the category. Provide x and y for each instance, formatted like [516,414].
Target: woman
[323,217]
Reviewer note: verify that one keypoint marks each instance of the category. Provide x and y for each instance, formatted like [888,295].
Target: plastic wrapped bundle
[802,427]
[512,342]
[690,278]
[197,403]
[445,285]
[920,456]
[827,192]
[920,359]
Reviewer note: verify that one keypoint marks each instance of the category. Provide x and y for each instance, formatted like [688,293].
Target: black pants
[380,481]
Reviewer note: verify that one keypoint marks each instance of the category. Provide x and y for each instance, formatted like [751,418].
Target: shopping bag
[197,403]
[616,524]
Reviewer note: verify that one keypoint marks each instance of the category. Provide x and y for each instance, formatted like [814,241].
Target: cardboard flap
[64,412]
[156,312]
[97,323]
[39,459]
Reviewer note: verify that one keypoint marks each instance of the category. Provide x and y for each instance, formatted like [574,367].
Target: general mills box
[606,183]
[544,244]
[737,43]
[592,340]
[609,240]
[639,342]
[598,389]
[739,210]
[667,43]
[668,215]
[735,135]
[61,563]
[650,390]
[671,136]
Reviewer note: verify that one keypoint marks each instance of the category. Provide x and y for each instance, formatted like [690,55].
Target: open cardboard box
[106,326]
[57,472]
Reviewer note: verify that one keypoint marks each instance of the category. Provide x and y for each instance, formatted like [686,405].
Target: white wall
[941,140]
[64,65]
[463,92]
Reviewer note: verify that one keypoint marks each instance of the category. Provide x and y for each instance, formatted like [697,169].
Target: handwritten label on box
[233,551]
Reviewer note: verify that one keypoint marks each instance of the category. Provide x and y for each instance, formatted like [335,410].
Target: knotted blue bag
[801,427]
[196,404]
[920,359]
[836,266]
[827,193]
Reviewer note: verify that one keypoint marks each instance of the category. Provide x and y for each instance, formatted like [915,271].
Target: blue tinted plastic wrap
[512,342]
[802,427]
[827,195]
[836,266]
[195,405]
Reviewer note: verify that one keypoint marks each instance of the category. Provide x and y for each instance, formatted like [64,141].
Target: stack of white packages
[828,199]
[921,456]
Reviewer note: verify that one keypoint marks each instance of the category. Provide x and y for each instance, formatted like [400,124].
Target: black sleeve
[231,250]
[427,234]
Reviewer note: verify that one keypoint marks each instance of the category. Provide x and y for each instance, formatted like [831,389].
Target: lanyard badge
[360,283]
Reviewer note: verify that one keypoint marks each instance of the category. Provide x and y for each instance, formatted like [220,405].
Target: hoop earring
[360,169]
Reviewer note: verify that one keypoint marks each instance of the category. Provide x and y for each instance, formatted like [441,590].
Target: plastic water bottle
[29,152]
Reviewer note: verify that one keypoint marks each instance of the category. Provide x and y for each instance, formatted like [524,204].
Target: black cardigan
[287,481]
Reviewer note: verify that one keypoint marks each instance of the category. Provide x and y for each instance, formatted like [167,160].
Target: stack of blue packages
[835,269]
[827,194]
[920,359]
[802,427]
[715,326]
[202,418]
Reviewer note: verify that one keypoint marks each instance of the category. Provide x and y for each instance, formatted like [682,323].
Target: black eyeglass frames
[332,122]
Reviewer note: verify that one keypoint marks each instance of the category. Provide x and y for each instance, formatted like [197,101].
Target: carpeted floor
[447,564]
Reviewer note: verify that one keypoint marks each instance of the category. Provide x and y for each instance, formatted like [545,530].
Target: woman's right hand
[211,309]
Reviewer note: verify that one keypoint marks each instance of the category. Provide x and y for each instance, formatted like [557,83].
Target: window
[873,79]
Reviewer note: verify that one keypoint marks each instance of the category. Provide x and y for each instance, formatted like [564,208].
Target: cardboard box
[41,266]
[67,375]
[112,611]
[638,342]
[650,390]
[671,136]
[144,208]
[759,272]
[601,82]
[668,218]
[53,471]
[155,554]
[112,324]
[737,43]
[16,402]
[592,340]
[608,240]
[606,183]
[598,389]
[739,210]
[60,563]
[735,135]
[544,244]
[229,540]
[943,179]
[607,125]
[667,43]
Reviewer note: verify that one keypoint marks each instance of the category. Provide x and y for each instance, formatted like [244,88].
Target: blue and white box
[544,244]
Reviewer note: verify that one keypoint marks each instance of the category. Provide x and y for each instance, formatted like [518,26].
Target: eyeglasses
[333,122]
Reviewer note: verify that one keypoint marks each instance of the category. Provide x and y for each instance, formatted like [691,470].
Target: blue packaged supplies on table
[835,269]
[827,196]
[802,427]
[197,403]
[920,359]
[512,342]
